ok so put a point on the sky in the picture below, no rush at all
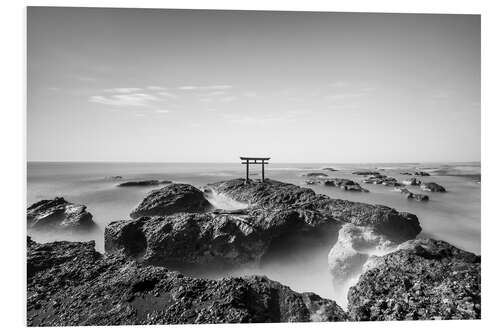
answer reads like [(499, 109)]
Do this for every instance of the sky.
[(157, 85)]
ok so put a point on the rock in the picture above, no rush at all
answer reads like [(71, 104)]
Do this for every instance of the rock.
[(345, 184), (329, 169), (315, 175), (114, 178), (144, 183), (311, 182), (382, 179), (366, 173), (406, 173), (412, 182), (171, 199), (421, 173), (423, 279), (70, 284), (432, 187), (58, 214), (411, 195)]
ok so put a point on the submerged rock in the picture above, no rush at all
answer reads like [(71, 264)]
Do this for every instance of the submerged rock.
[(71, 284), (329, 169), (366, 173), (411, 195), (382, 179), (58, 214), (422, 173), (171, 199), (424, 279), (432, 187), (144, 183)]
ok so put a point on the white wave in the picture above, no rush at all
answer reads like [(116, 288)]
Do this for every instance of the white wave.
[(222, 201)]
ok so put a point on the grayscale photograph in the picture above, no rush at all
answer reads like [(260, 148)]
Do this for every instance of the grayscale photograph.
[(189, 166)]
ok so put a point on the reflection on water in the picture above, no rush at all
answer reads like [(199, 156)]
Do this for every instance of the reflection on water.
[(301, 263)]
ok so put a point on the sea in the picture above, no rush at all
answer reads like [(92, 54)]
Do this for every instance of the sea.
[(302, 264)]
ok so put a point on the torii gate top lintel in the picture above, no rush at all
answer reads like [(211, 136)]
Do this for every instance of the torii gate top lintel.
[(255, 160)]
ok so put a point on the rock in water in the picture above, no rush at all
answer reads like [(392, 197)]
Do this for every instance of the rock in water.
[(423, 279), (329, 169), (58, 214), (315, 175), (345, 184), (411, 195), (366, 173), (171, 199), (432, 187), (422, 173), (144, 183), (71, 284), (412, 182)]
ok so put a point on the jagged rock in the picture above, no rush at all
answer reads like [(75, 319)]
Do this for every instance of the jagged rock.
[(382, 179), (171, 199), (424, 279), (144, 183), (58, 214), (432, 187), (422, 173), (71, 284), (345, 184), (412, 182)]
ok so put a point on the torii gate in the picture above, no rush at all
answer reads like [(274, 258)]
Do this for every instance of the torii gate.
[(255, 160)]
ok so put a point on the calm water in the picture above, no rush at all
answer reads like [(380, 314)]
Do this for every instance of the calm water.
[(453, 216)]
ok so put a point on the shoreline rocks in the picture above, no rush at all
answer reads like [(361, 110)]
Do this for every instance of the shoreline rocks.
[(70, 284), (410, 195), (59, 214), (412, 182), (345, 184), (171, 199), (423, 279)]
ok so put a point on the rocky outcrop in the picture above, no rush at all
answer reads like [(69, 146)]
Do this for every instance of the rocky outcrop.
[(144, 183), (423, 279), (329, 169), (422, 173), (58, 214), (412, 182), (171, 199), (410, 195), (432, 187), (345, 184), (71, 284), (383, 180)]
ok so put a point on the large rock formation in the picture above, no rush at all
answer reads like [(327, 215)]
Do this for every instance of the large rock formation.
[(432, 187), (423, 279), (171, 199), (237, 237), (345, 184), (71, 284), (58, 214)]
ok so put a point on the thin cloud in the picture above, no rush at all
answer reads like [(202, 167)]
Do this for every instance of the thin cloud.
[(162, 111), (123, 90), (125, 99)]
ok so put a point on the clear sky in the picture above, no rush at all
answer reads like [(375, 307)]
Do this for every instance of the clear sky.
[(209, 86)]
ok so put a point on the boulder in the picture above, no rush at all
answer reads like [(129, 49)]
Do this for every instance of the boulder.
[(423, 279), (432, 187), (58, 214), (171, 199), (70, 284), (144, 183), (411, 195)]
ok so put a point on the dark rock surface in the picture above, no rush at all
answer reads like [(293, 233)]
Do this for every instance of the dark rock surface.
[(383, 180), (422, 173), (58, 214), (345, 184), (424, 279), (144, 183), (71, 284), (329, 169), (432, 187), (171, 199)]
